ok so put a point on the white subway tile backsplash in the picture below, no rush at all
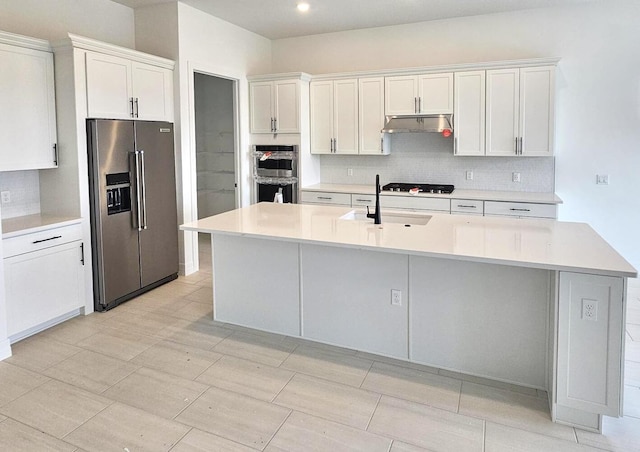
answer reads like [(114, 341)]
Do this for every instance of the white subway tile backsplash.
[(428, 158), (25, 193)]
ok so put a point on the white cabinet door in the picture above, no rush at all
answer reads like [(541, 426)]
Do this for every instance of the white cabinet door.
[(503, 111), (43, 285), (435, 94), (109, 90), (590, 335), (287, 106), (371, 103), (321, 117), (27, 108), (401, 95), (537, 110), (469, 113), (261, 98), (345, 116), (153, 92)]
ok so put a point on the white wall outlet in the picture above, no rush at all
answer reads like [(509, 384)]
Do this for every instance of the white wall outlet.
[(6, 197), (396, 297), (602, 179), (515, 177), (589, 309), (469, 175), (349, 171)]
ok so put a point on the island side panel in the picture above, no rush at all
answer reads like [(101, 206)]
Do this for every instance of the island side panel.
[(256, 283), (347, 299), (481, 319)]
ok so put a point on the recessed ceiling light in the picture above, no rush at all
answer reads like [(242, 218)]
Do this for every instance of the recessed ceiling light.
[(303, 7)]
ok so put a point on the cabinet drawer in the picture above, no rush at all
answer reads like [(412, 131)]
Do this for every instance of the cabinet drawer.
[(40, 240), (319, 197), (411, 203), (467, 206), (363, 200), (520, 209)]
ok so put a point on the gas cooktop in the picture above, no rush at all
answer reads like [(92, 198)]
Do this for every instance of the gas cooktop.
[(421, 188)]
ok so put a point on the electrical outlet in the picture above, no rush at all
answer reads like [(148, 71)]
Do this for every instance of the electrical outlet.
[(515, 177), (602, 179), (589, 309), (6, 197), (349, 171), (396, 297), (469, 175)]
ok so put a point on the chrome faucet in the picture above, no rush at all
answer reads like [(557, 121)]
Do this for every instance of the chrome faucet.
[(377, 217)]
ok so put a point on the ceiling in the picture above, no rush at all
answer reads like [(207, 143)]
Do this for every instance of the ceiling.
[(275, 19)]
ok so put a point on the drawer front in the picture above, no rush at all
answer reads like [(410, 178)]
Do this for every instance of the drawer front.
[(411, 203), (363, 200), (520, 209), (472, 206), (27, 243), (319, 197)]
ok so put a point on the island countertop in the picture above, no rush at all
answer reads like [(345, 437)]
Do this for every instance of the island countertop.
[(535, 243)]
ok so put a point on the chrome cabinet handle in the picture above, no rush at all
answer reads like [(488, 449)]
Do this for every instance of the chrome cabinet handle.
[(468, 207), (520, 210), (516, 145), (275, 124), (415, 104), (381, 145), (271, 124), (144, 191), (364, 200), (455, 145), (520, 145), (55, 154), (82, 253), (46, 240), (131, 104), (324, 197), (419, 104), (335, 145), (137, 108)]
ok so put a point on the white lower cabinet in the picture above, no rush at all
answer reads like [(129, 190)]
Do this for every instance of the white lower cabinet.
[(42, 286), (319, 197), (467, 206), (590, 335)]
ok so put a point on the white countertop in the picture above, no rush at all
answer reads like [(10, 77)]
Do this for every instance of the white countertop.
[(12, 227), (535, 243), (486, 195)]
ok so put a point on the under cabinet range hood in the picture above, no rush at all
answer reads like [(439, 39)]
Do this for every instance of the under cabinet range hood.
[(418, 124)]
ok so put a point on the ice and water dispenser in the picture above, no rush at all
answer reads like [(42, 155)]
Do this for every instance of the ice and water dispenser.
[(118, 193)]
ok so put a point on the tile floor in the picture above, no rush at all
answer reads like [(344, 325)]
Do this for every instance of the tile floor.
[(157, 374)]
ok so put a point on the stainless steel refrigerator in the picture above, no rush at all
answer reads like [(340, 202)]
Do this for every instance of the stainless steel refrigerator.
[(134, 224)]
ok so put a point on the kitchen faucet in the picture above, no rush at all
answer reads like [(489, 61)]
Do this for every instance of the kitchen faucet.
[(376, 215)]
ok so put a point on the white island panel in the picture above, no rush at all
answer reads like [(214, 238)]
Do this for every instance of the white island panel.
[(258, 282), (347, 299), (480, 319)]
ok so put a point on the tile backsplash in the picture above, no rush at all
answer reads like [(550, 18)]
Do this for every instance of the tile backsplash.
[(428, 158), (24, 187)]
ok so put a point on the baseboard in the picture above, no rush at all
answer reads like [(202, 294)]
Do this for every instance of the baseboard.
[(187, 269), (5, 349)]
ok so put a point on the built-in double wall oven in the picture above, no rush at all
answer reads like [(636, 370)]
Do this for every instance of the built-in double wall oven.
[(275, 171)]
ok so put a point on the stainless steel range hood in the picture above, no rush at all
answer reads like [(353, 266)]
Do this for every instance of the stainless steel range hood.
[(418, 123)]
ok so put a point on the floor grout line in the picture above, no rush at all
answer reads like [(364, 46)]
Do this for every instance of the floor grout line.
[(366, 429)]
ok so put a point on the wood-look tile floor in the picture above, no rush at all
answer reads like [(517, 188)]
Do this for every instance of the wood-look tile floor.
[(158, 374)]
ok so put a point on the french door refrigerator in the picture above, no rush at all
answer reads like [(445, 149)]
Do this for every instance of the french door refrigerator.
[(132, 192)]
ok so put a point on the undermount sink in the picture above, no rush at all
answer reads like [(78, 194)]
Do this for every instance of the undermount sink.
[(408, 219)]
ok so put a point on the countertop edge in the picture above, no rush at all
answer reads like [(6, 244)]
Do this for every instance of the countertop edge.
[(45, 223)]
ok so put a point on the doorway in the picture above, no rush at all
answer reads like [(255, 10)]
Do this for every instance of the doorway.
[(216, 145)]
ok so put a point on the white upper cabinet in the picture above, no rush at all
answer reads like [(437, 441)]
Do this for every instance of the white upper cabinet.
[(419, 94), (469, 113), (334, 116), (275, 106), (27, 107), (371, 109), (118, 88), (520, 111)]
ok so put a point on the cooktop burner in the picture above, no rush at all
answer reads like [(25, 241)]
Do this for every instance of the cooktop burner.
[(422, 188)]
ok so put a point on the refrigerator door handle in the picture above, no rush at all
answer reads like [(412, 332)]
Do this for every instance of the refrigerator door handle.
[(144, 191), (138, 197)]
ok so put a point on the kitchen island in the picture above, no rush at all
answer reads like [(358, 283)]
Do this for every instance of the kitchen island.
[(538, 303)]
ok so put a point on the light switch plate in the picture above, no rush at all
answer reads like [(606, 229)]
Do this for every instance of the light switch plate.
[(6, 197)]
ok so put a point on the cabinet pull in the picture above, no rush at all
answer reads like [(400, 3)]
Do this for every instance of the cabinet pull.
[(324, 197), (419, 104), (46, 240), (131, 104), (137, 108), (520, 210), (466, 206), (364, 200), (275, 124), (335, 145), (415, 104), (455, 145), (55, 154), (516, 145), (381, 145), (82, 253), (520, 145)]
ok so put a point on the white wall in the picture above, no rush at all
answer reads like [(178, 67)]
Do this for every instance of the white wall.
[(208, 45), (53, 19), (598, 90)]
